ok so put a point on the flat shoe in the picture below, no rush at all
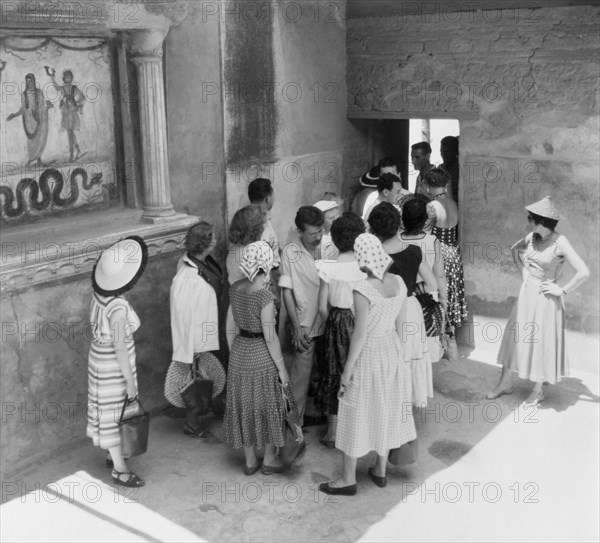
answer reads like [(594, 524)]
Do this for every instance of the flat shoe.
[(132, 479), (251, 470), (493, 395), (379, 481), (196, 432), (269, 470), (349, 490)]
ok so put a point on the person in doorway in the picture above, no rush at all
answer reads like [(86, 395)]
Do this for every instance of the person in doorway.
[(540, 307), (420, 155), (449, 153)]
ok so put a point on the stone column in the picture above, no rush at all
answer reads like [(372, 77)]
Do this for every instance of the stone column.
[(146, 48)]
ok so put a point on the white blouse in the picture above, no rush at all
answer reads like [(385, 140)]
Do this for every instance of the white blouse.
[(341, 278)]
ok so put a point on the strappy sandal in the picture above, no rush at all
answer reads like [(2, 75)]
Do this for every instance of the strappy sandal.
[(132, 479), (196, 432)]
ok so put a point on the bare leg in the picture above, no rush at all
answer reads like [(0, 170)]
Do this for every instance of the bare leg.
[(331, 428), (117, 458), (537, 393), (271, 458), (348, 473), (504, 386), (380, 465), (251, 458)]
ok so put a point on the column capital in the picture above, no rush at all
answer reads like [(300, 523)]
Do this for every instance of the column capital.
[(146, 43)]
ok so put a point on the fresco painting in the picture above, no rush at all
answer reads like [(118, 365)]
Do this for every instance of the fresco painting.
[(58, 134)]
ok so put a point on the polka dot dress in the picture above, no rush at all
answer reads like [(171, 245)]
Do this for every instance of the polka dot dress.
[(254, 413), (457, 304)]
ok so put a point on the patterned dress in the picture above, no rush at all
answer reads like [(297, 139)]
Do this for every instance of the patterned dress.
[(254, 413), (107, 387), (534, 341), (414, 333), (455, 280), (375, 412)]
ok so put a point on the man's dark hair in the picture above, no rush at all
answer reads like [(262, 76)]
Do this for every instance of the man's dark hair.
[(309, 216), (388, 162), (436, 177), (384, 221), (386, 181), (345, 230), (450, 142), (423, 146), (259, 189)]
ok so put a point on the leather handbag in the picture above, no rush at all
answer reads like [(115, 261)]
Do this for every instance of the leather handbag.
[(433, 313), (405, 454), (198, 393), (134, 429), (295, 446)]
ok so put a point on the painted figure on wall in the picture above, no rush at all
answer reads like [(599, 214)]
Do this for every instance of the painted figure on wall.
[(71, 105), (34, 110)]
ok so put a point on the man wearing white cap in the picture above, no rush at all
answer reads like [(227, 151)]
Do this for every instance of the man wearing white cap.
[(331, 211)]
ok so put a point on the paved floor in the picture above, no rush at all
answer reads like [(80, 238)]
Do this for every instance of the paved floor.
[(487, 471)]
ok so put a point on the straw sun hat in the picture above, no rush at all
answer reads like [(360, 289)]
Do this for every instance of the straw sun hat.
[(544, 208), (120, 266)]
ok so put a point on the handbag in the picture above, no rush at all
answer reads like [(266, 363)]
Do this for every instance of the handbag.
[(294, 447), (134, 429), (197, 394), (433, 313), (405, 454)]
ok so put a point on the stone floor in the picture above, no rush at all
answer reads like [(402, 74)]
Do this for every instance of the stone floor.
[(487, 471)]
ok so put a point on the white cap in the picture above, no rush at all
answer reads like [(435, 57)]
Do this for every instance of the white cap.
[(325, 205)]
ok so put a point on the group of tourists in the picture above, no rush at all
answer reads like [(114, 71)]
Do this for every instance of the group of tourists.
[(352, 310)]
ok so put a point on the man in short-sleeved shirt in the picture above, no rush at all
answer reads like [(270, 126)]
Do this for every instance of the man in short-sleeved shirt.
[(299, 282)]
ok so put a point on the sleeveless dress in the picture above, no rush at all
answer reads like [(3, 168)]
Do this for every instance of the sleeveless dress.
[(375, 412), (427, 244), (534, 341), (254, 413), (414, 333), (107, 387), (340, 276), (455, 280)]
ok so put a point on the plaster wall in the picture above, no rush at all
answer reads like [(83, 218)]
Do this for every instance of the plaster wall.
[(523, 84), (45, 345)]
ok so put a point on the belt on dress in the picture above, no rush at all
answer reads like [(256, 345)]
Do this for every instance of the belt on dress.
[(250, 335)]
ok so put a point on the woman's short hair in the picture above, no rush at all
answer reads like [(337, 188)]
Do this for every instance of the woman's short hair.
[(384, 221), (436, 177), (199, 237), (309, 216), (414, 213), (345, 230), (247, 225), (550, 224)]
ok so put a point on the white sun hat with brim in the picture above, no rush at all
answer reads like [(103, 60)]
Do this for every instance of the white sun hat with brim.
[(120, 266), (544, 208), (326, 205)]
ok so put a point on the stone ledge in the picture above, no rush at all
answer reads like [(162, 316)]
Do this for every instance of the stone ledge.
[(61, 250)]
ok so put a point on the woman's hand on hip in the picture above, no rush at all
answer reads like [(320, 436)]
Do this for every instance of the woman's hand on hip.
[(548, 287)]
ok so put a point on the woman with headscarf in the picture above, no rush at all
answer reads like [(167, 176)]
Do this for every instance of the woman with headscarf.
[(195, 291), (112, 375), (254, 416), (374, 411), (534, 341)]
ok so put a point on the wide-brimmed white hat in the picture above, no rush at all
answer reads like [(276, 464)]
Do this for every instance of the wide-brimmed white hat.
[(544, 208), (120, 266), (326, 205)]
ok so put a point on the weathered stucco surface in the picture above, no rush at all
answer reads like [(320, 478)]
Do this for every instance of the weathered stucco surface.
[(523, 84)]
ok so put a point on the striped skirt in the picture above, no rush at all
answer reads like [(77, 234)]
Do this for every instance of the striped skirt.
[(107, 389)]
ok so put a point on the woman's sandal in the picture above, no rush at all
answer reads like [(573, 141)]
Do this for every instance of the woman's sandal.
[(196, 432), (251, 470), (132, 479)]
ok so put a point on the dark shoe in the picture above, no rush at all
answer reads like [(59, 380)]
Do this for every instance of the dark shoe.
[(269, 470), (196, 432), (349, 490), (379, 481), (251, 470), (329, 444), (131, 480)]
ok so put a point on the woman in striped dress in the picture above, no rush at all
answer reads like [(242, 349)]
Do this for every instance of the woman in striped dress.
[(112, 375)]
